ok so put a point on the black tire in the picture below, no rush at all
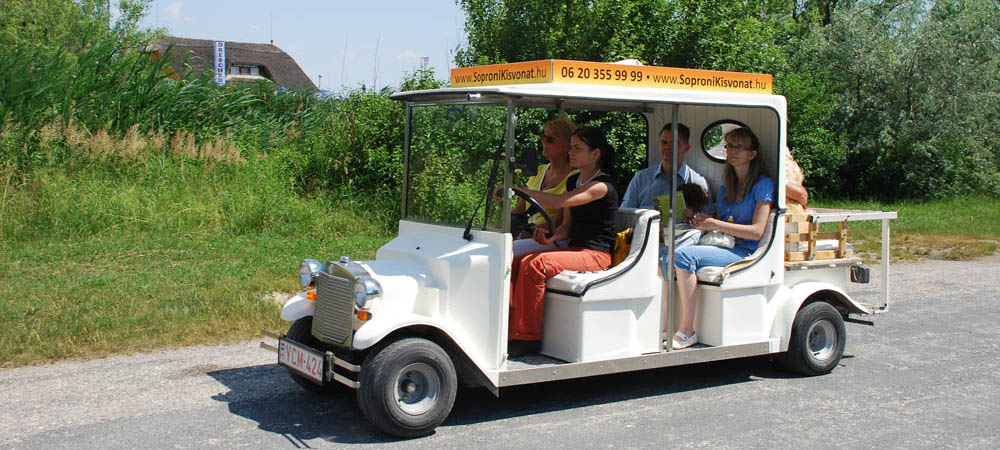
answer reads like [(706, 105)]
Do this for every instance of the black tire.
[(818, 340), (301, 332), (407, 388)]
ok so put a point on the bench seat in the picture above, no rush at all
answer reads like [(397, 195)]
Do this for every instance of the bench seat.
[(613, 313)]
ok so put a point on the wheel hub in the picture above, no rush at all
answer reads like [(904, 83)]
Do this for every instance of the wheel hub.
[(822, 338), (417, 388)]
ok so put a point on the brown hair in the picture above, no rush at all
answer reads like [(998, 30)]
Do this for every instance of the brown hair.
[(561, 127), (736, 191), (683, 132)]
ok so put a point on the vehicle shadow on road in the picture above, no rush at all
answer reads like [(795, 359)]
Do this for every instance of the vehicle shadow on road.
[(474, 406), (267, 396)]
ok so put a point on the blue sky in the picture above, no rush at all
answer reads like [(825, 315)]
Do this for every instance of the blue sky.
[(336, 39)]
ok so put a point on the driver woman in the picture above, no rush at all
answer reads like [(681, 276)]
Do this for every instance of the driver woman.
[(744, 201), (551, 178), (588, 208)]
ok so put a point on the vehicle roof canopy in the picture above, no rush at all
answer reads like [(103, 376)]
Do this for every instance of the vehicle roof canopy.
[(588, 85)]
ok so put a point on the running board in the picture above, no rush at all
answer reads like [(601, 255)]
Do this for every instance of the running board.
[(651, 361), (860, 321)]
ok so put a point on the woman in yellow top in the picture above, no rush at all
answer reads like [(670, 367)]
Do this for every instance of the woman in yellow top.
[(551, 179)]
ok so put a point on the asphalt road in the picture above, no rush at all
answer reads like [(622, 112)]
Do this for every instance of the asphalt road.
[(924, 377)]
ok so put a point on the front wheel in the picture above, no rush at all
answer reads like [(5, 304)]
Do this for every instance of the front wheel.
[(818, 340), (407, 388)]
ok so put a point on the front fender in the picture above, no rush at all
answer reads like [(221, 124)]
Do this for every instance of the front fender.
[(297, 307), (374, 331), (782, 326)]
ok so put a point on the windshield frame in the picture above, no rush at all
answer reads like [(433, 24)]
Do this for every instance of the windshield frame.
[(508, 154)]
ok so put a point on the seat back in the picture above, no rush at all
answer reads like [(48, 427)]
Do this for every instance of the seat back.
[(630, 218), (641, 220)]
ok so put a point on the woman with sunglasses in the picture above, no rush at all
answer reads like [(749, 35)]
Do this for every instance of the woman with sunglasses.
[(551, 179), (744, 202), (589, 206)]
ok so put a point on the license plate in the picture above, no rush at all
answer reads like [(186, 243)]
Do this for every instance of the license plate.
[(300, 359)]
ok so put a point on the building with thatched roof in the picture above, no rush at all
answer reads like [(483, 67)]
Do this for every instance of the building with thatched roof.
[(244, 61)]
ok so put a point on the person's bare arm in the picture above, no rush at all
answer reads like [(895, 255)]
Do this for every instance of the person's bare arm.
[(579, 196), (796, 192)]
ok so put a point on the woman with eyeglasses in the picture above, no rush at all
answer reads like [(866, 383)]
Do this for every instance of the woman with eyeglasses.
[(589, 206), (744, 202), (551, 179)]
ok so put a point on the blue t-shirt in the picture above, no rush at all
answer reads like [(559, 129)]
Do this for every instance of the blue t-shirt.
[(742, 212)]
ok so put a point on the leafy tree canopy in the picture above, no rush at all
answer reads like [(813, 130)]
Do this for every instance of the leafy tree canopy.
[(902, 90)]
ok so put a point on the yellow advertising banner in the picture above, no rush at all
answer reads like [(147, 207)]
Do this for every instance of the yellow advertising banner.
[(659, 77), (496, 74), (607, 74)]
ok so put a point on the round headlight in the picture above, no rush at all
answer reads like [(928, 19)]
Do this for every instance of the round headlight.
[(308, 270), (366, 289)]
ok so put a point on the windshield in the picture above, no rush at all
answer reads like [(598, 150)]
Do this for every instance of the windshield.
[(452, 150), (450, 159)]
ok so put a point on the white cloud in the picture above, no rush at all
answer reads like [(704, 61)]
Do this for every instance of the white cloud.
[(173, 12)]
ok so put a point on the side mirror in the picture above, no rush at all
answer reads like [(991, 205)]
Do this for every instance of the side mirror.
[(528, 161)]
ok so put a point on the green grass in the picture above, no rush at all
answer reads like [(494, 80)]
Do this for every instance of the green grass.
[(93, 264), (959, 228), (116, 259)]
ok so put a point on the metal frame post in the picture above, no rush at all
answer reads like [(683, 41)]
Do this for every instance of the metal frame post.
[(668, 222)]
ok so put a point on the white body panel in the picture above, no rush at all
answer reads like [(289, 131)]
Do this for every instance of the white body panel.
[(430, 275), (297, 307), (615, 319)]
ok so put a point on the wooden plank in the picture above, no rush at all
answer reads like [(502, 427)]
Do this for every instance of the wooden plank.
[(817, 255), (803, 237), (823, 263), (842, 239), (797, 218)]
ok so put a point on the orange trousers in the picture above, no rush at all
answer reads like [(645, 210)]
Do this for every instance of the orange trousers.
[(527, 284)]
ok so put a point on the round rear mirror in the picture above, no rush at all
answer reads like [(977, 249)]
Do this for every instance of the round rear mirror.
[(711, 138)]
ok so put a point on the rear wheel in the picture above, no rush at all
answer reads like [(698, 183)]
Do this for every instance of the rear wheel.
[(301, 332), (818, 340), (407, 388)]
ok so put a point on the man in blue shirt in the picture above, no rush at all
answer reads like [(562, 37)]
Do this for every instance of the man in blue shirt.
[(654, 181)]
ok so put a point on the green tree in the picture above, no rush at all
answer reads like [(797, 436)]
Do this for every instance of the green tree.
[(69, 24), (920, 105), (902, 90)]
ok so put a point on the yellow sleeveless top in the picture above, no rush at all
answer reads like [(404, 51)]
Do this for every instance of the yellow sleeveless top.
[(535, 182)]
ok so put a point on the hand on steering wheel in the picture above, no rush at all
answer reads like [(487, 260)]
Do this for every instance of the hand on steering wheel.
[(534, 207)]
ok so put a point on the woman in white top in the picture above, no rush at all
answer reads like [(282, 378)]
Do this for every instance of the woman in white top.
[(551, 179)]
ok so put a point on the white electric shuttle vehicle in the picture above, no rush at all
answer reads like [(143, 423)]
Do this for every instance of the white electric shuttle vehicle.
[(431, 310)]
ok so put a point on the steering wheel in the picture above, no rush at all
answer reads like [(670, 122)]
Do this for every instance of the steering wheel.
[(534, 207)]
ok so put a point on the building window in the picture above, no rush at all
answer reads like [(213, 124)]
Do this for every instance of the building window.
[(244, 70)]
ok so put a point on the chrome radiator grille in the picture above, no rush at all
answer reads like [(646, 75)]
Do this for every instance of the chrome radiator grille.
[(334, 309)]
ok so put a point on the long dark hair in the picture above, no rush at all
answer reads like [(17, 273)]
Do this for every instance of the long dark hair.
[(595, 138), (736, 191)]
